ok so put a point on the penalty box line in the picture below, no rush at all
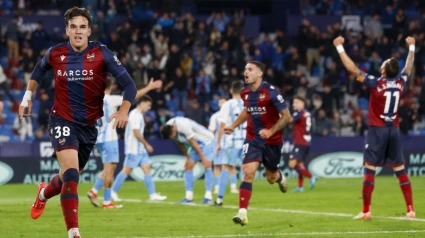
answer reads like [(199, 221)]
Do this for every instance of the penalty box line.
[(278, 210)]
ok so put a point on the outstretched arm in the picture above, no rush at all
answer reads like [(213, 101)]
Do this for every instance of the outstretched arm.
[(410, 57), (348, 63)]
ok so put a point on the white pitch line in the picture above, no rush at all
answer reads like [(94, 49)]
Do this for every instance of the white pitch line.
[(290, 234), (333, 214)]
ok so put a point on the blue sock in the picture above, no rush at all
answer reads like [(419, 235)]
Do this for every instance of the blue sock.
[(233, 179), (119, 180), (209, 183), (149, 184), (107, 195), (216, 180), (223, 183), (98, 184), (188, 180)]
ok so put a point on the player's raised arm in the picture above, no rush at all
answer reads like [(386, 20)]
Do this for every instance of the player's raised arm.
[(410, 56), (37, 75), (241, 119), (348, 63), (153, 84), (125, 81)]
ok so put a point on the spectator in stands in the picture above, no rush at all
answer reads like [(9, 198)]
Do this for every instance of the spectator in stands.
[(12, 32)]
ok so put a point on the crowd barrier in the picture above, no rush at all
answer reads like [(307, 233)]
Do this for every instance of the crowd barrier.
[(331, 157)]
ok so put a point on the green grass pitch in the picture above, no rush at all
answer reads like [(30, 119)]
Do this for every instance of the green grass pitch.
[(326, 211)]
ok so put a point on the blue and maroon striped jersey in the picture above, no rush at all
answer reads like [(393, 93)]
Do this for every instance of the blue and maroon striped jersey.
[(385, 94), (263, 107), (302, 127), (80, 80)]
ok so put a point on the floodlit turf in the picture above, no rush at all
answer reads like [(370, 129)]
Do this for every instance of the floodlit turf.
[(325, 212)]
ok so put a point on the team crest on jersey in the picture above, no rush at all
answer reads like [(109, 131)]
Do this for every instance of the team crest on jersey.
[(62, 141), (90, 57), (262, 96), (63, 57)]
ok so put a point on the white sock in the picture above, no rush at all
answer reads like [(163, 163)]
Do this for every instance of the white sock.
[(72, 231), (106, 202), (233, 186), (243, 211), (41, 195), (94, 190), (189, 195), (208, 194)]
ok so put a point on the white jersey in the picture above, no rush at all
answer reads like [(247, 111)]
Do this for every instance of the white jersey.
[(188, 129), (214, 127), (228, 114), (106, 132), (136, 121)]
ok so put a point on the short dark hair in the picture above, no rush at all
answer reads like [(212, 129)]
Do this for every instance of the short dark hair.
[(392, 68), (145, 98), (166, 131), (299, 98), (260, 65), (237, 86), (75, 12)]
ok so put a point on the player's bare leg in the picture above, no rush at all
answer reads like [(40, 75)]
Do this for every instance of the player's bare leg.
[(406, 189), (150, 185), (368, 186), (233, 180), (277, 177), (69, 174), (217, 173), (245, 192), (92, 193)]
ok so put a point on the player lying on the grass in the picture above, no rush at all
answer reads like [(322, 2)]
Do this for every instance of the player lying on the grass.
[(232, 149), (301, 141), (137, 149), (107, 142), (186, 132), (383, 141), (267, 114), (80, 68)]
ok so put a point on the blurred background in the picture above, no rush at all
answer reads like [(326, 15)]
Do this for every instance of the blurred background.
[(198, 47)]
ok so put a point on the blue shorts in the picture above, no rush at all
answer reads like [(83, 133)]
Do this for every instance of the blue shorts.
[(207, 149), (383, 147), (231, 156), (134, 161), (109, 151), (268, 155), (218, 159), (300, 152), (68, 135)]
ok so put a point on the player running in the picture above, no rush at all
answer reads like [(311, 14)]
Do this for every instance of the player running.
[(232, 150), (107, 143), (383, 141), (186, 132), (137, 149), (302, 139), (80, 68), (266, 114)]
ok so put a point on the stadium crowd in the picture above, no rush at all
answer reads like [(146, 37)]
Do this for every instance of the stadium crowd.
[(198, 60)]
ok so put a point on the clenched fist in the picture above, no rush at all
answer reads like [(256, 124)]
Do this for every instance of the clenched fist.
[(339, 41), (410, 40)]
